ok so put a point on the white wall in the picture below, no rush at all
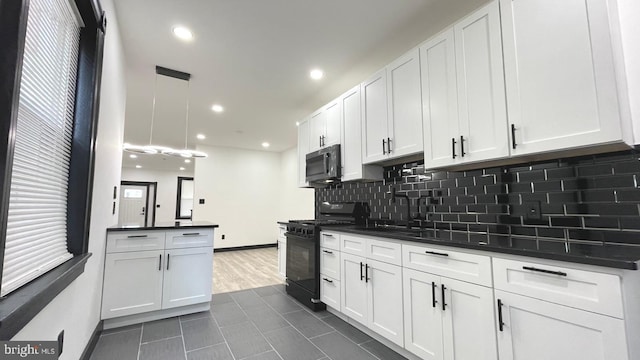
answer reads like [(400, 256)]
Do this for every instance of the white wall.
[(167, 188), (295, 203), (77, 308)]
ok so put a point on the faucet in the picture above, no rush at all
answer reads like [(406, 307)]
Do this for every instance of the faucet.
[(393, 200)]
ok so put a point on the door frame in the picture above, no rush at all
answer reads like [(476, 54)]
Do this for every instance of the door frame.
[(147, 184), (179, 195)]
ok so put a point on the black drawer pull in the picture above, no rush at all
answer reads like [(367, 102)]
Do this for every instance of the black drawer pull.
[(559, 273), (330, 235), (500, 322), (160, 263), (513, 136), (384, 144), (137, 236), (461, 145), (366, 273), (433, 294), (168, 258), (361, 276), (388, 145), (453, 147), (436, 253), (444, 303), (327, 252), (191, 234), (327, 280)]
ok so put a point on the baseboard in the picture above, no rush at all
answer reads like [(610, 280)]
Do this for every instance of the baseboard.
[(91, 345), (249, 247)]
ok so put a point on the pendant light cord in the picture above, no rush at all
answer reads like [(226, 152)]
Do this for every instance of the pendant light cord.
[(153, 108)]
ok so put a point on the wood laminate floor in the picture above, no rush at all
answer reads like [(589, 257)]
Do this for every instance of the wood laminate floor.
[(245, 269)]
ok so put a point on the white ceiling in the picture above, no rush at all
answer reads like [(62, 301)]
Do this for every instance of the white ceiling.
[(254, 57)]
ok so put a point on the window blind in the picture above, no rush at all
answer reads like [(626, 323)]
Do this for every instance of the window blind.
[(36, 237)]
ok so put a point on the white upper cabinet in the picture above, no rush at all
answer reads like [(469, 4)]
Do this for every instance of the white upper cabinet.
[(374, 118), (325, 126), (463, 99), (392, 111), (560, 74), (303, 150), (404, 105)]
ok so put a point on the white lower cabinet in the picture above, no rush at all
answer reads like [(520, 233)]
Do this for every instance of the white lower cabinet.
[(448, 319), (372, 295), (534, 329), (137, 282)]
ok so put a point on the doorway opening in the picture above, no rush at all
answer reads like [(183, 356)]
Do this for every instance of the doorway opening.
[(137, 203)]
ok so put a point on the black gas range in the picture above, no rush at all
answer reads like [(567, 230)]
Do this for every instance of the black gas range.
[(303, 249)]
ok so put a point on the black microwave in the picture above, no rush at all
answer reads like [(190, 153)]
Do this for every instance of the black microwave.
[(323, 166)]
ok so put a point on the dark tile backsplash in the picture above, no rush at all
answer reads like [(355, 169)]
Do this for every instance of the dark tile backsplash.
[(593, 199)]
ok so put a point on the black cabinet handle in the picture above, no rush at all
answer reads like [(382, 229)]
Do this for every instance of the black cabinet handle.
[(384, 144), (320, 141), (436, 253), (433, 294), (160, 263), (329, 235), (559, 273), (444, 303), (513, 136), (327, 251), (327, 280), (500, 322), (168, 258), (137, 236), (361, 276), (388, 145), (461, 145), (453, 147), (366, 273), (191, 234)]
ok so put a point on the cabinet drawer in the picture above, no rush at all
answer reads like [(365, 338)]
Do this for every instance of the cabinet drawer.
[(189, 238), (124, 241), (330, 291), (385, 251), (330, 240), (452, 264), (330, 263), (355, 245), (591, 291)]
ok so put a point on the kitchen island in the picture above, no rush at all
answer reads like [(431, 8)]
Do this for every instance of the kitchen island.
[(156, 272)]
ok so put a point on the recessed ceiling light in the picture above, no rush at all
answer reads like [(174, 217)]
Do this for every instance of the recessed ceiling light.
[(217, 108), (297, 123), (182, 33), (138, 166), (133, 156), (316, 74), (181, 169), (265, 144), (201, 136), (187, 161)]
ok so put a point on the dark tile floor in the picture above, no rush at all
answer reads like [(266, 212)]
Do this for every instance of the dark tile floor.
[(256, 324)]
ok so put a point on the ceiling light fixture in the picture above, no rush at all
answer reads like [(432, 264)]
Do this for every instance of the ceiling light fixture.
[(217, 108), (182, 33), (316, 74), (133, 156), (265, 144), (297, 123), (187, 161), (138, 166), (201, 136), (181, 169)]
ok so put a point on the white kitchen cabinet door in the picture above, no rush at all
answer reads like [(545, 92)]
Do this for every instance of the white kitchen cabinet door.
[(374, 118), (405, 105), (332, 123), (353, 288), (422, 314), (187, 277), (316, 130), (282, 259), (384, 284), (481, 92), (303, 150), (535, 329), (440, 101), (132, 283), (560, 75), (468, 322), (351, 147)]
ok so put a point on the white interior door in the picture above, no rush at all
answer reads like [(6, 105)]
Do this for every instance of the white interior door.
[(133, 205)]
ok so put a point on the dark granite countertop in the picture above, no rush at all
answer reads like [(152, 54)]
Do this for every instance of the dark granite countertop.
[(165, 226), (614, 256)]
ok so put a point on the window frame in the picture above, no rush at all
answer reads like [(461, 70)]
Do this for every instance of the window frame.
[(179, 197), (20, 306)]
